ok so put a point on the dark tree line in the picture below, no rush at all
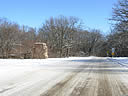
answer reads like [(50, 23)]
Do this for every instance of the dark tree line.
[(118, 37), (65, 36), (13, 35)]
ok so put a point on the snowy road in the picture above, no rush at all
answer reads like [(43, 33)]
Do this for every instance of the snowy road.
[(90, 76)]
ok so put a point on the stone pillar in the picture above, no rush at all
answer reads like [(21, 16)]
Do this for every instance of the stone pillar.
[(40, 51)]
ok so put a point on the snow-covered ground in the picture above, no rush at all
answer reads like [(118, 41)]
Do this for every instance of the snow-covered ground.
[(32, 77), (10, 68), (18, 74), (123, 61)]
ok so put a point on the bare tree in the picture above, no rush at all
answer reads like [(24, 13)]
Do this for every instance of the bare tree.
[(119, 36), (8, 32), (58, 33), (89, 42)]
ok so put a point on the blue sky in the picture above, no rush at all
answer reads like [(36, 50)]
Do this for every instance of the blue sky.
[(94, 13)]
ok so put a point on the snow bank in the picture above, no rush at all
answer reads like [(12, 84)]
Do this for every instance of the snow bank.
[(123, 61), (10, 68)]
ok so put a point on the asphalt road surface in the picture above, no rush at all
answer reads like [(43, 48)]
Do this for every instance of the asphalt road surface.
[(76, 77)]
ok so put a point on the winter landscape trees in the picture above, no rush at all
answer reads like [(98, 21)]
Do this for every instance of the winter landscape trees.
[(59, 33), (119, 35), (65, 36)]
